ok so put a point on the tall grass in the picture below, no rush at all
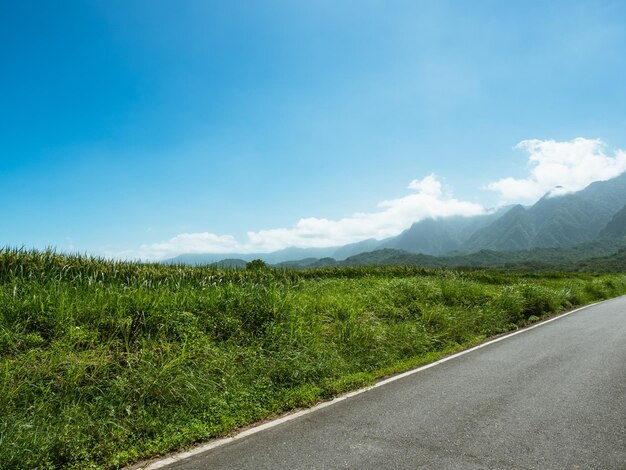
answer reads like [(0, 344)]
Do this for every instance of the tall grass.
[(103, 363)]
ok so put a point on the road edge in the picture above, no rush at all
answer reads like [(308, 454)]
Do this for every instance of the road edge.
[(273, 422)]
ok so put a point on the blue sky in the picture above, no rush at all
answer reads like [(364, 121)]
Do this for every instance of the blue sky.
[(150, 128)]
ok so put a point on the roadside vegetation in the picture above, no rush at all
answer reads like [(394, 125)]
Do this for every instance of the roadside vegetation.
[(105, 363)]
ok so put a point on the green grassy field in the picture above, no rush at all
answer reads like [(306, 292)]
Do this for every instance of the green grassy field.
[(104, 363)]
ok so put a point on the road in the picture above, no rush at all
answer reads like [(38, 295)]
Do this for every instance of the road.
[(550, 397)]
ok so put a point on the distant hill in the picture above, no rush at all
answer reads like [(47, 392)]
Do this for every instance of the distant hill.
[(615, 262), (288, 254), (309, 263), (352, 249), (390, 256), (301, 263), (280, 256), (586, 255), (231, 263)]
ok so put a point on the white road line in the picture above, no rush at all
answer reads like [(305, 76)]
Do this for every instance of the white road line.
[(289, 417)]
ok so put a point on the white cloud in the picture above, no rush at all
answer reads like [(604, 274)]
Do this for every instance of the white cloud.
[(393, 216), (201, 242), (428, 185), (560, 168)]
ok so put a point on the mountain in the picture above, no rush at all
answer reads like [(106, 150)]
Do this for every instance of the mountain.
[(512, 231), (554, 220), (232, 263), (352, 249), (275, 257), (300, 263), (440, 236), (610, 194), (616, 226), (591, 256), (309, 263), (390, 256), (292, 253)]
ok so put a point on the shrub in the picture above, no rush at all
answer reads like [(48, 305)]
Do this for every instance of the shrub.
[(256, 264)]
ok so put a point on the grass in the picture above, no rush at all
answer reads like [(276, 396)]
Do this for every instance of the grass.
[(104, 363)]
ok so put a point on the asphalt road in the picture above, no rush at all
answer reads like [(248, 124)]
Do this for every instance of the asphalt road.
[(551, 397)]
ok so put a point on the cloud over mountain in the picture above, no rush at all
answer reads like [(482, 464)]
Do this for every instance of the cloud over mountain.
[(560, 168), (427, 199)]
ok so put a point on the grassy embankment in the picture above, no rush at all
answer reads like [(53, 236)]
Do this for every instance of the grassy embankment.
[(105, 363)]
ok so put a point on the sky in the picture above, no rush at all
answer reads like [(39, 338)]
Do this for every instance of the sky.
[(150, 128)]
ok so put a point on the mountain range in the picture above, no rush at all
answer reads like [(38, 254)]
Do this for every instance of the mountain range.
[(584, 219)]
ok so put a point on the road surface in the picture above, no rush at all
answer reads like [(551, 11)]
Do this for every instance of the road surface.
[(550, 397)]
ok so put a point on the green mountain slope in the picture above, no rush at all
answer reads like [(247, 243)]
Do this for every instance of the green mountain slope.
[(440, 236), (515, 230), (610, 195), (554, 221), (616, 226), (567, 220)]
